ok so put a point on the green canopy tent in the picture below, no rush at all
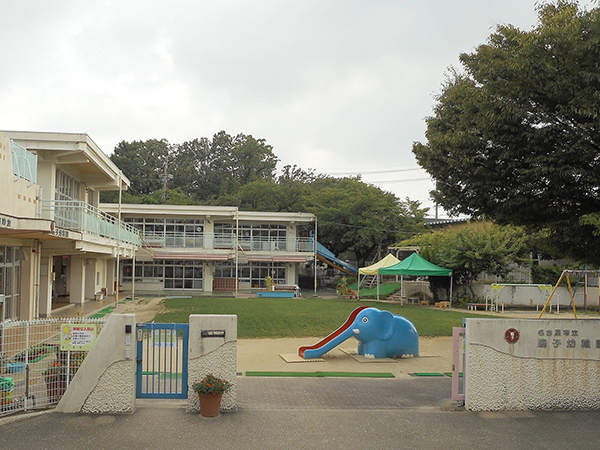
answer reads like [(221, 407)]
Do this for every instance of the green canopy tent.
[(417, 266)]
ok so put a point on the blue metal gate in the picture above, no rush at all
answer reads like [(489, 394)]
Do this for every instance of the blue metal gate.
[(162, 360)]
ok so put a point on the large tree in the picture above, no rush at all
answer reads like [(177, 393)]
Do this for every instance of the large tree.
[(480, 247), (516, 136), (207, 169), (203, 169), (360, 218), (143, 162)]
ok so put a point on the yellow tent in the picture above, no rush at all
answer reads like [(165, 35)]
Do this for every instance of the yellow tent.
[(373, 269)]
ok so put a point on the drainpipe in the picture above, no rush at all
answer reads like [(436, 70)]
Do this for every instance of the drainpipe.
[(237, 233), (315, 250), (119, 242), (133, 275)]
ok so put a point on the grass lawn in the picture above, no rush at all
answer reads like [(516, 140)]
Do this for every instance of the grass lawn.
[(302, 317), (385, 289)]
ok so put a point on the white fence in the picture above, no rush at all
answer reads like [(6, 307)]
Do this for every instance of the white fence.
[(35, 370)]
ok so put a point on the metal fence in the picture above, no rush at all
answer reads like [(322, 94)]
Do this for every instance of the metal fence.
[(34, 370)]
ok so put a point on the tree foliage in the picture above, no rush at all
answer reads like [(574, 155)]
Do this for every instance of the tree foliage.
[(480, 247), (203, 169), (240, 171), (359, 217), (143, 163), (516, 136)]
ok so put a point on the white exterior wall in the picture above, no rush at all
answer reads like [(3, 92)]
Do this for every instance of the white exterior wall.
[(554, 364), (533, 296), (213, 355), (19, 198), (208, 272), (105, 382), (21, 214)]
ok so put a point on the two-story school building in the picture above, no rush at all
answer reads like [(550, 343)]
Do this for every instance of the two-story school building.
[(59, 246), (56, 245), (207, 249)]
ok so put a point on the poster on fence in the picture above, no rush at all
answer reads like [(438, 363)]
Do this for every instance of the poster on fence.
[(77, 337)]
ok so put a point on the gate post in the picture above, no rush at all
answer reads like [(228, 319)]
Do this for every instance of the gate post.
[(213, 349), (105, 382)]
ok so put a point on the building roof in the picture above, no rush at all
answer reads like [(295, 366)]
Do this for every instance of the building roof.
[(223, 212), (78, 151)]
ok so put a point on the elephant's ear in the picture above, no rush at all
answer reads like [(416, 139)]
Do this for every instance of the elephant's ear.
[(385, 325)]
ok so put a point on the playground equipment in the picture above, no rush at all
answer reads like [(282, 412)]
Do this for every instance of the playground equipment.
[(381, 334), (497, 287), (325, 255), (566, 273)]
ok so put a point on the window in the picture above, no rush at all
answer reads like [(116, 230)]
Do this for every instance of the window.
[(10, 281), (254, 273), (175, 274), (263, 237), (66, 188), (173, 233)]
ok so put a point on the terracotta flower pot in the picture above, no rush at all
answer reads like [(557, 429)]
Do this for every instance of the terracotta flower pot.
[(210, 405)]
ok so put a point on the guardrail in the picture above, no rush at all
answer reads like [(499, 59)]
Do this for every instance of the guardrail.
[(210, 241), (83, 217), (24, 162)]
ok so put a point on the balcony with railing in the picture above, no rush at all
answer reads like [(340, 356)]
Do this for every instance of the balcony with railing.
[(82, 217), (225, 241), (24, 162)]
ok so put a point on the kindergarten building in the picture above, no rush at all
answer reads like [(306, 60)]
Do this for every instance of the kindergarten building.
[(56, 245), (59, 246), (206, 249)]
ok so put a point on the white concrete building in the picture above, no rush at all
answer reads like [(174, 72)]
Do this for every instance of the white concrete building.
[(56, 246), (59, 246), (206, 249)]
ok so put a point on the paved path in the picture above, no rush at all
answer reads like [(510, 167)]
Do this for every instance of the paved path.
[(406, 412), (280, 413)]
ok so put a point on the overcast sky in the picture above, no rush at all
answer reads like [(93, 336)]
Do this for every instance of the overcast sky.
[(341, 86)]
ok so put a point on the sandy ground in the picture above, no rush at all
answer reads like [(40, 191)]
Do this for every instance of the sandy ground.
[(281, 354), (271, 354)]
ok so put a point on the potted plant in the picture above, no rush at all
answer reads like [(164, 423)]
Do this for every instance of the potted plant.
[(59, 373), (269, 284), (210, 390), (56, 380)]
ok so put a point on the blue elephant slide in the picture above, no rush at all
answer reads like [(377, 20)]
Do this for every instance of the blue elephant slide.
[(380, 334)]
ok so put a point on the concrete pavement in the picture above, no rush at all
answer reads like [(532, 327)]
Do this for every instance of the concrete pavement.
[(406, 412), (305, 413)]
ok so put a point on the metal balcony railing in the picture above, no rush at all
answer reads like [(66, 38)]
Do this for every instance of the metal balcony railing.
[(210, 241), (83, 217), (24, 162)]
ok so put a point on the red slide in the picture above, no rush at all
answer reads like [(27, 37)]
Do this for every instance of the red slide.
[(324, 345)]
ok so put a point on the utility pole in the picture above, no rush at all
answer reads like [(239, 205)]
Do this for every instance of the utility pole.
[(164, 178)]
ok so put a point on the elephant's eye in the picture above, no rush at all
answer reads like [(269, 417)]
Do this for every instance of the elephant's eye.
[(365, 319)]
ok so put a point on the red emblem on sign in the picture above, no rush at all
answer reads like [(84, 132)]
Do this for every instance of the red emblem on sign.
[(511, 335)]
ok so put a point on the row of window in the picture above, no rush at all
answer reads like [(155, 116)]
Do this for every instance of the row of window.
[(179, 274), (151, 227), (194, 227)]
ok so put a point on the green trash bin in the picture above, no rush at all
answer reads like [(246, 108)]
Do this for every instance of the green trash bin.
[(7, 386)]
